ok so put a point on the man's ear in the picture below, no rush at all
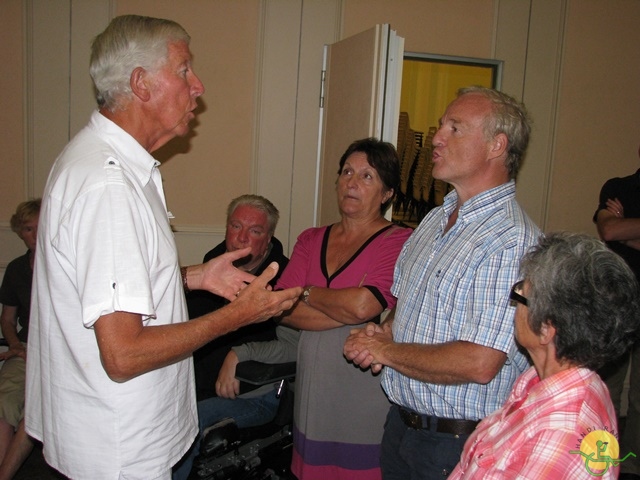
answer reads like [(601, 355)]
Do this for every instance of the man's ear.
[(139, 83), (499, 144)]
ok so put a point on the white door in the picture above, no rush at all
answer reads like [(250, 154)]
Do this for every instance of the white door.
[(360, 98)]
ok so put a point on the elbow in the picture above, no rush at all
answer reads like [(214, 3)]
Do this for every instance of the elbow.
[(485, 369), (363, 309), (606, 229), (485, 372), (484, 376), (118, 377), (117, 370), (364, 313), (606, 235)]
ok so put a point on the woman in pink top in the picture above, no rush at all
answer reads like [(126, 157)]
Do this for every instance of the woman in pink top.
[(576, 308), (347, 271)]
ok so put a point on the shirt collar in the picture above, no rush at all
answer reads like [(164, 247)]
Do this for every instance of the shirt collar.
[(481, 204), (138, 160), (534, 388)]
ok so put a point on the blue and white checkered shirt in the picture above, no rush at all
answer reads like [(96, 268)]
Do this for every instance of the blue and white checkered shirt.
[(455, 287)]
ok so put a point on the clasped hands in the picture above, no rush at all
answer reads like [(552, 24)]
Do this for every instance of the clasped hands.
[(365, 346)]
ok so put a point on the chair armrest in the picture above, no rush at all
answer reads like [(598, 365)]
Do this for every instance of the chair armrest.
[(258, 373)]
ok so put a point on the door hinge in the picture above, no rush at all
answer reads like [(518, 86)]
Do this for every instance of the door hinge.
[(322, 78)]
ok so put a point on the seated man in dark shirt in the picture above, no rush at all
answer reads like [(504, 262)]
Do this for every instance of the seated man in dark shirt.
[(251, 221)]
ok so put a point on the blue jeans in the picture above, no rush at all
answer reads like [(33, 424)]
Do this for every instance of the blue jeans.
[(247, 412), (410, 454)]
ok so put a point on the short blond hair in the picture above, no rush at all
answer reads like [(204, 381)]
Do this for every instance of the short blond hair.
[(25, 212)]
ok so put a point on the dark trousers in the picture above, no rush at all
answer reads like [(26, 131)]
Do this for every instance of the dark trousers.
[(410, 454)]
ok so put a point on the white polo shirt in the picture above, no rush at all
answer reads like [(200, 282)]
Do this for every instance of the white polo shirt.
[(105, 245)]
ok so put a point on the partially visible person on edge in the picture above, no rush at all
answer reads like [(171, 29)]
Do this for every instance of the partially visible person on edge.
[(250, 409), (15, 296), (577, 307), (618, 220), (449, 349), (110, 389), (346, 269), (251, 222)]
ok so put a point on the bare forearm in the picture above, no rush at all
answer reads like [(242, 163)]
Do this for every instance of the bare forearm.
[(304, 317), (611, 228), (127, 348), (348, 306), (635, 244), (8, 324), (447, 363), (147, 348), (329, 308), (10, 335)]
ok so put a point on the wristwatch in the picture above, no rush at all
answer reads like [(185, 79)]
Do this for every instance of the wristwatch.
[(305, 294)]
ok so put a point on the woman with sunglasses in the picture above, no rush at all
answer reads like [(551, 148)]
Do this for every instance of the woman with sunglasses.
[(576, 307)]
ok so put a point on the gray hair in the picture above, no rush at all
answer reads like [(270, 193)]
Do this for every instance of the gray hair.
[(509, 117), (25, 212), (259, 203), (587, 292), (129, 42)]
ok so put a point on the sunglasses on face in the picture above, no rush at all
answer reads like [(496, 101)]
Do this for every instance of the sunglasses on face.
[(517, 297)]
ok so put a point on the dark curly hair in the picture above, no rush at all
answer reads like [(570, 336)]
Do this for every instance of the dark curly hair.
[(382, 156), (587, 293)]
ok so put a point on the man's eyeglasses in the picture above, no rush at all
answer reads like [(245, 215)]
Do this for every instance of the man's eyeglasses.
[(514, 296)]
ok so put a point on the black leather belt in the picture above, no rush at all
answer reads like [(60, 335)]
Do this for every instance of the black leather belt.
[(442, 425)]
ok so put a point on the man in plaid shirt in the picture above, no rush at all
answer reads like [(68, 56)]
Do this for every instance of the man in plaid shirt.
[(448, 346)]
